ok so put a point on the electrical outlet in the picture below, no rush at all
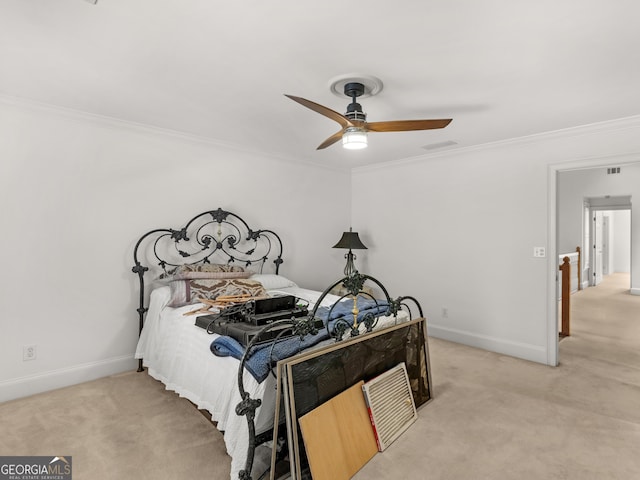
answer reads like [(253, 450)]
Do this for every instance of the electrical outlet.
[(29, 352)]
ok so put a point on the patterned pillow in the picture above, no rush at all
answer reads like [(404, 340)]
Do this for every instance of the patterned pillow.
[(205, 270), (185, 292)]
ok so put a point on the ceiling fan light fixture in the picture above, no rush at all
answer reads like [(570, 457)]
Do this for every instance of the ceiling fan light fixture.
[(354, 138), (354, 125)]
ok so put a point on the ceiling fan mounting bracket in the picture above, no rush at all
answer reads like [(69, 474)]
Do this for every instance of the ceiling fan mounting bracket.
[(371, 85), (354, 109), (353, 89)]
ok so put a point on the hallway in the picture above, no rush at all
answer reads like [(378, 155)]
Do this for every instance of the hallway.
[(605, 327)]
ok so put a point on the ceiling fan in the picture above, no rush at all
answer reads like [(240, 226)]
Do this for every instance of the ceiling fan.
[(354, 122)]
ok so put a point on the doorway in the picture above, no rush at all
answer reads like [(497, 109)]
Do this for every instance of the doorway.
[(607, 234), (578, 190)]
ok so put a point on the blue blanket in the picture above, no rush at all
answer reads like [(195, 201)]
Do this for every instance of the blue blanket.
[(258, 363)]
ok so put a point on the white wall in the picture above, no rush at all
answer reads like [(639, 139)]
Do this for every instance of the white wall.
[(457, 231), (77, 192)]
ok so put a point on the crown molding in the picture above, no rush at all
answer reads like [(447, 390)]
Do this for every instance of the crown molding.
[(150, 130), (608, 126)]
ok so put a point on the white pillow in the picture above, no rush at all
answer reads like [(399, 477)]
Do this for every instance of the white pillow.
[(271, 281)]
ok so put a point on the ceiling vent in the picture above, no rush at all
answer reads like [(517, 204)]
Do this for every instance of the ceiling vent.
[(435, 146), (613, 170), (390, 403)]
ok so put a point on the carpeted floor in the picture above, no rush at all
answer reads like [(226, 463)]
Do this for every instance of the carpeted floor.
[(495, 417), (121, 427), (492, 417)]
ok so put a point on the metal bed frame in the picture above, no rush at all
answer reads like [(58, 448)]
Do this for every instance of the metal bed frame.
[(302, 326), (221, 236)]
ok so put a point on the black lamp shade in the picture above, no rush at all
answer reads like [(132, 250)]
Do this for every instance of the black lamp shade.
[(350, 240)]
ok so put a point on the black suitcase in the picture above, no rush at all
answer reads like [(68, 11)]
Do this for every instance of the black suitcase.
[(245, 333), (261, 319), (241, 331), (275, 303)]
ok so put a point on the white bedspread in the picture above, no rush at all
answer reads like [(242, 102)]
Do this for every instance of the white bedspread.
[(178, 354)]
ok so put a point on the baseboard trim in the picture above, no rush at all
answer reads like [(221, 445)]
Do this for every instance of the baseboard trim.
[(64, 377), (525, 351), (634, 291)]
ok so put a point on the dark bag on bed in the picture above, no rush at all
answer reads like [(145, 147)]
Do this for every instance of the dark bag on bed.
[(241, 331), (274, 304), (260, 312), (245, 333), (212, 323), (268, 310), (261, 319), (216, 322), (244, 321)]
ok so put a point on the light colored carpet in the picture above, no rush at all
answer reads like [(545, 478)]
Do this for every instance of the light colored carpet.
[(496, 417), (492, 417), (117, 428)]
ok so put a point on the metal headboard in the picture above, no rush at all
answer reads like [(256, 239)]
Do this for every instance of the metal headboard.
[(214, 236)]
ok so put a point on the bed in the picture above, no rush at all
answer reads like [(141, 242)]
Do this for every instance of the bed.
[(217, 254)]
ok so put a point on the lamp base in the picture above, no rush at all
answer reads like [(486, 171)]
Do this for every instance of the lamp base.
[(350, 268)]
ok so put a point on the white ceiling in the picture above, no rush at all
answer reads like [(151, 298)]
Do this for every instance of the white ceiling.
[(500, 68)]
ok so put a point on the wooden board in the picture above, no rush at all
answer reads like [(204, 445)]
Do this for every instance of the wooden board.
[(338, 436)]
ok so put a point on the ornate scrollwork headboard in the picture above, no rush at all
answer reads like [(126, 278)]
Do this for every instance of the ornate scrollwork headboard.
[(214, 236)]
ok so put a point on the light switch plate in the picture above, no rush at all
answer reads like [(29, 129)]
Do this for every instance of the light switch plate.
[(539, 252)]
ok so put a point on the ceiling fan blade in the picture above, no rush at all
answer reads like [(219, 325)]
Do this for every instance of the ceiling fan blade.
[(322, 110), (331, 140), (406, 125)]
